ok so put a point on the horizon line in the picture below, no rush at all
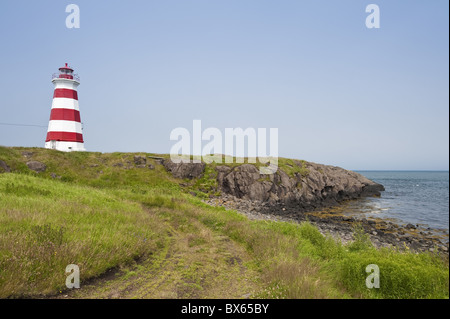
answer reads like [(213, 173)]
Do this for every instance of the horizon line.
[(350, 169)]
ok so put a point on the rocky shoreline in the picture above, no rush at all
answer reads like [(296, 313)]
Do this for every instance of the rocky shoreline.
[(333, 221)]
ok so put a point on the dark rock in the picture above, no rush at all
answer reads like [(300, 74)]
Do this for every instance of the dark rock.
[(410, 226), (37, 166), (4, 168), (140, 160), (184, 170), (118, 164), (242, 182), (151, 166)]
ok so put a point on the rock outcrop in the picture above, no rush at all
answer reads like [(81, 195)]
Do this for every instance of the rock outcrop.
[(321, 186)]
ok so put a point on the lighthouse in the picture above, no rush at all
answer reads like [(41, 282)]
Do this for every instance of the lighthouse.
[(64, 129)]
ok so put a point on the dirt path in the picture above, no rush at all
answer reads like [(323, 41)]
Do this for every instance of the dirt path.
[(194, 263)]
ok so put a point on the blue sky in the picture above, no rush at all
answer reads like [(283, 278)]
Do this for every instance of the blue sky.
[(338, 92)]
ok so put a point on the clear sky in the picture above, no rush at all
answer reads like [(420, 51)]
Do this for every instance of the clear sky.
[(338, 92)]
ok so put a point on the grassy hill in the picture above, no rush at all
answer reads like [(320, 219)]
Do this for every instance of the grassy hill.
[(136, 233)]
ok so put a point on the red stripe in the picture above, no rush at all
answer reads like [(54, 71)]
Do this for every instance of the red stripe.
[(65, 115), (65, 137), (67, 93)]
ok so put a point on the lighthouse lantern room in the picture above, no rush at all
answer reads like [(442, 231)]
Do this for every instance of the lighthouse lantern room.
[(64, 129)]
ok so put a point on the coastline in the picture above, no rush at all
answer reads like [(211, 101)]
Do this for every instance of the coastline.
[(334, 222)]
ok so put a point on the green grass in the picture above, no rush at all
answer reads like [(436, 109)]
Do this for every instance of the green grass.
[(102, 216), (290, 252), (293, 167), (402, 274), (47, 224)]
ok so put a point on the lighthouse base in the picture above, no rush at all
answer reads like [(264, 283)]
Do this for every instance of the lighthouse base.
[(65, 146)]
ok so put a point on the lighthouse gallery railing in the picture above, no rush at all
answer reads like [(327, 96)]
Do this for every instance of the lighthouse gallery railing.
[(66, 76)]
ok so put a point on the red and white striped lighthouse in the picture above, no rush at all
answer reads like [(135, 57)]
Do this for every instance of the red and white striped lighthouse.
[(64, 129)]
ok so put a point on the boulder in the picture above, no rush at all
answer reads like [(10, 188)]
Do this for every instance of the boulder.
[(4, 168), (140, 160), (184, 170), (37, 166)]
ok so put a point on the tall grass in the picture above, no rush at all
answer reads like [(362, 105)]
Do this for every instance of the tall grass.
[(46, 225)]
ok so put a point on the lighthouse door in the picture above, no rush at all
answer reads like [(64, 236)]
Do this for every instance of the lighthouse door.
[(53, 145)]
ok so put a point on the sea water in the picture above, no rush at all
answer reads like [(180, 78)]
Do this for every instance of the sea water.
[(415, 197)]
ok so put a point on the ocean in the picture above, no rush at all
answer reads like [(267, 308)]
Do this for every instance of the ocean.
[(416, 197)]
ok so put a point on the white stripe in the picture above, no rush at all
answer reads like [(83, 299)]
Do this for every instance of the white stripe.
[(65, 84), (66, 146), (64, 103), (64, 126)]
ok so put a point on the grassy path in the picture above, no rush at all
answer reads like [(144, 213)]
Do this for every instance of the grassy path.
[(195, 262)]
